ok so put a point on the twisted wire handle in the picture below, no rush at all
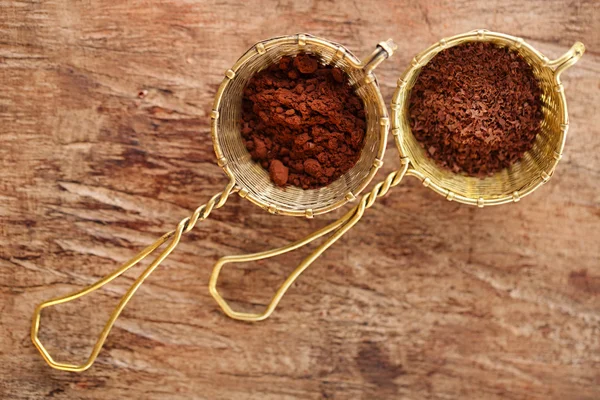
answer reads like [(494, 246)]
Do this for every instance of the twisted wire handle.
[(184, 226), (339, 228), (383, 187)]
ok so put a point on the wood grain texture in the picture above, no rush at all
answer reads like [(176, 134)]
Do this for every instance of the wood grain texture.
[(424, 299)]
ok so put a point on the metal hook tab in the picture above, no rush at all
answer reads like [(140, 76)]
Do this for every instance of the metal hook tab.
[(567, 60), (383, 51)]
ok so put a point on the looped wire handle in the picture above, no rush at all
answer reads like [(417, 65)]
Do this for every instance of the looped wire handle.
[(339, 228), (173, 237)]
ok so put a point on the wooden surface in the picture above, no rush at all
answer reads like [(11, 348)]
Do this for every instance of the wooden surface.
[(424, 299)]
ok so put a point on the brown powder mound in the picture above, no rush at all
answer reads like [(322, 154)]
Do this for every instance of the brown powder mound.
[(476, 108), (303, 122)]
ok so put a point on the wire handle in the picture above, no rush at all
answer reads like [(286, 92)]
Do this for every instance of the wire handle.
[(186, 225), (339, 228)]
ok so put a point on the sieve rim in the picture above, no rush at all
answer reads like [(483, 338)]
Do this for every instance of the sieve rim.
[(399, 107), (302, 39)]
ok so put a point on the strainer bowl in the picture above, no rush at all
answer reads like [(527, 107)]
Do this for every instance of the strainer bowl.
[(252, 180), (526, 175)]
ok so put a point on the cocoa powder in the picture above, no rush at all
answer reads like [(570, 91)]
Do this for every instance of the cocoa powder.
[(302, 122), (476, 108)]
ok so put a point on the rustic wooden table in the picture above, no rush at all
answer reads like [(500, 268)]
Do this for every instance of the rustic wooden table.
[(424, 299)]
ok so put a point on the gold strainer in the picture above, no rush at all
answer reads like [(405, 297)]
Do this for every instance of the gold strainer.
[(250, 180), (532, 170), (253, 181)]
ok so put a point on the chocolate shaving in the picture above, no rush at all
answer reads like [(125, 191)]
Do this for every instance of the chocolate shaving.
[(476, 108)]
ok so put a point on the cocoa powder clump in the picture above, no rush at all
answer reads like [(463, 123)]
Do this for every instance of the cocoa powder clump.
[(303, 122), (279, 172), (476, 108)]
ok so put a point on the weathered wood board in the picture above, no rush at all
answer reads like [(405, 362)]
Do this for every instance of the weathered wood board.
[(424, 299)]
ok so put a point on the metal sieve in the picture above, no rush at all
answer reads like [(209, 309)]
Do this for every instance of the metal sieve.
[(253, 181), (535, 167), (249, 179)]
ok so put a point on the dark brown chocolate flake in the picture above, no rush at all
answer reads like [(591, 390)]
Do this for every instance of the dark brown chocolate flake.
[(476, 108)]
